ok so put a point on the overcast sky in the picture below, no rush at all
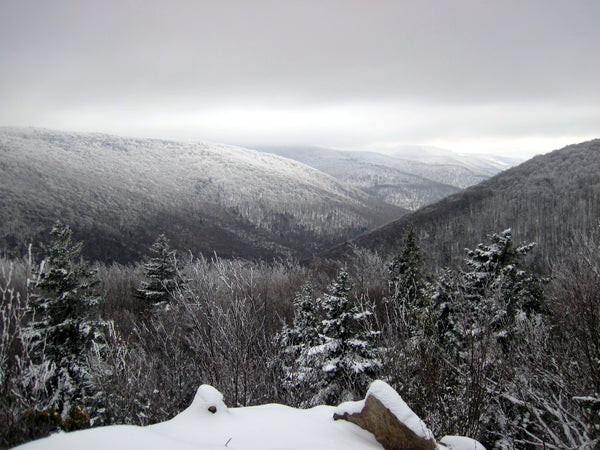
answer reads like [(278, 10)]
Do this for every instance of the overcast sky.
[(497, 76)]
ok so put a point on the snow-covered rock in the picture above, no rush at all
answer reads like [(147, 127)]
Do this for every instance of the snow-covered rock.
[(394, 424), (392, 401), (384, 414)]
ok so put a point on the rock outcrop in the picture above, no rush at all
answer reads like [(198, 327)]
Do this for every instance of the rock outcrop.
[(384, 414)]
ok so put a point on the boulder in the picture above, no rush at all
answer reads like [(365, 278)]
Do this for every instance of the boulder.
[(384, 414)]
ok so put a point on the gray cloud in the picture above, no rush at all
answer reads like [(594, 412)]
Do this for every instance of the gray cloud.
[(445, 59)]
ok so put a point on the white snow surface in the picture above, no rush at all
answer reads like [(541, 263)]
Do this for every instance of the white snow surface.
[(392, 401), (459, 443), (258, 427), (206, 397), (263, 427)]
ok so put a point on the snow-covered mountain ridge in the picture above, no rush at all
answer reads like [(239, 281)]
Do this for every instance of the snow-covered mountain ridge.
[(488, 164), (407, 177), (122, 192)]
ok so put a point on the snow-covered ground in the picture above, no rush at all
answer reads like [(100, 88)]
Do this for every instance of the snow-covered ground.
[(208, 424)]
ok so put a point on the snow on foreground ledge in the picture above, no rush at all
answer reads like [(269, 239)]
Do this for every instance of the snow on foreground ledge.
[(459, 443), (209, 424)]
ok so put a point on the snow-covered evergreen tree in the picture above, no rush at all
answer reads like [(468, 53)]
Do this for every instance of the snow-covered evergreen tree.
[(406, 279), (298, 374), (65, 328), (347, 357), (304, 331), (406, 288), (162, 272), (497, 288), (481, 313)]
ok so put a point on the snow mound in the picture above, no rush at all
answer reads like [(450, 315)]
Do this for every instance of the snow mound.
[(208, 400), (460, 443)]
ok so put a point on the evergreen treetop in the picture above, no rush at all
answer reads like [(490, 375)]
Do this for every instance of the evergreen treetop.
[(348, 358), (405, 272), (162, 270)]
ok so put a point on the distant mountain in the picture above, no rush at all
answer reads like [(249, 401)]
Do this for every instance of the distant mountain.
[(409, 177), (481, 163), (446, 166), (119, 193), (548, 200)]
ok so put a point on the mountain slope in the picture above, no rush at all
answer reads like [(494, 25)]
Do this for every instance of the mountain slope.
[(118, 194), (407, 177), (548, 199)]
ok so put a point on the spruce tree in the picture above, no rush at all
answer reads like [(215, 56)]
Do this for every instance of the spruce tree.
[(65, 326), (498, 288), (490, 297), (295, 341), (347, 358), (162, 271), (482, 315), (406, 287), (406, 279), (304, 331)]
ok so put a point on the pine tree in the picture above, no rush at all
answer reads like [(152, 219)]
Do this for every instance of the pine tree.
[(406, 279), (490, 297), (304, 331), (406, 286), (498, 289), (446, 305), (298, 375), (347, 357), (163, 273), (65, 326), (482, 315)]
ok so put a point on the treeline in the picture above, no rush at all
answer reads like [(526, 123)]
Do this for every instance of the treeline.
[(489, 349)]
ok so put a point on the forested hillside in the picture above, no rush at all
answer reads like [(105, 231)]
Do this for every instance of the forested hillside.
[(548, 200), (118, 194)]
